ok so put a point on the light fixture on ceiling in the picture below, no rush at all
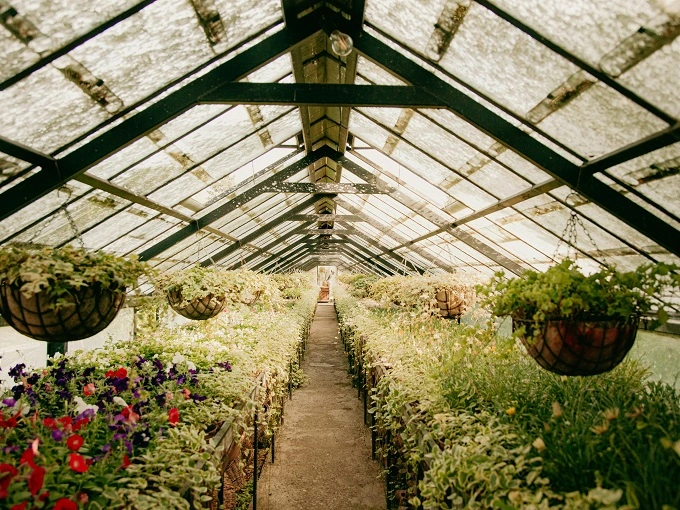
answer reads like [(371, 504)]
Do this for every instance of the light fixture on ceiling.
[(341, 43)]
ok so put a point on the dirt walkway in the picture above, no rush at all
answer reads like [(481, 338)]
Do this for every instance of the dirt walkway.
[(323, 451)]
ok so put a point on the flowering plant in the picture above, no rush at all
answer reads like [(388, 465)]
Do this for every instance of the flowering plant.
[(127, 425)]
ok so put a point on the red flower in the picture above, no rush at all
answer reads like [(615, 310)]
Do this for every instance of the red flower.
[(7, 472), (27, 457), (121, 373), (126, 461), (80, 423), (75, 442), (9, 423), (65, 504), (66, 422), (77, 463), (89, 389), (130, 415), (109, 373), (50, 423), (173, 416), (44, 496), (35, 481), (20, 506)]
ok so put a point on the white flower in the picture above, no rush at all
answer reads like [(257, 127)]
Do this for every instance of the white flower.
[(178, 358), (82, 406), (120, 401), (190, 365)]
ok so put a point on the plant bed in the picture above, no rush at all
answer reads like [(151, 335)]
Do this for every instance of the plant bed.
[(483, 426), (63, 294), (127, 426)]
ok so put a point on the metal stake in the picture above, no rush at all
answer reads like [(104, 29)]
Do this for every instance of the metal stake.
[(255, 449)]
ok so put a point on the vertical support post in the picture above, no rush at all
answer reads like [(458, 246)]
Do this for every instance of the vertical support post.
[(56, 347), (290, 381), (255, 454), (373, 436), (273, 446), (365, 405)]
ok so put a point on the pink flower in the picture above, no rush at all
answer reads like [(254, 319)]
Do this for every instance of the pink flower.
[(89, 389), (173, 416), (77, 463), (75, 442)]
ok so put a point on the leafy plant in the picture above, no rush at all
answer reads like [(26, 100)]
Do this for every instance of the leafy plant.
[(239, 286), (564, 292), (58, 272)]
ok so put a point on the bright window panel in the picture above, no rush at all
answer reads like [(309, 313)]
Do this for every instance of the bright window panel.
[(376, 74), (462, 128), (118, 225), (586, 29), (406, 21), (523, 167), (655, 175), (124, 158), (45, 110), (498, 181), (506, 240), (42, 207), (656, 78), (10, 166), (498, 59), (599, 121), (272, 72), (386, 116), (140, 55), (14, 55), (367, 130)]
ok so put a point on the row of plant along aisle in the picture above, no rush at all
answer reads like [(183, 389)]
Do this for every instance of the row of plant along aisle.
[(464, 418), (129, 426)]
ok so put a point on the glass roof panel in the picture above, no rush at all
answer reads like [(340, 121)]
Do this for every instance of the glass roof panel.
[(373, 73), (272, 72), (45, 110), (587, 29), (14, 55), (150, 173), (10, 166), (503, 62), (599, 121), (656, 78), (148, 232), (116, 226), (139, 55)]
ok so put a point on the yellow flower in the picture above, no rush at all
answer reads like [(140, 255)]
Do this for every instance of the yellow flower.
[(600, 429), (510, 411), (539, 444), (557, 409), (636, 412), (611, 414)]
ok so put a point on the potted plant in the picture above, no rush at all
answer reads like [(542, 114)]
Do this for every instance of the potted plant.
[(63, 294), (447, 295), (574, 324), (200, 293), (197, 293)]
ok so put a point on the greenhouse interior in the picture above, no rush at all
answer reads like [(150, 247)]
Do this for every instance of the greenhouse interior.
[(339, 254)]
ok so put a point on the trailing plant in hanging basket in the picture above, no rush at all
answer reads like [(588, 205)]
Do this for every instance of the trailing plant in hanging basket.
[(197, 293), (576, 324), (63, 294), (447, 295), (200, 293)]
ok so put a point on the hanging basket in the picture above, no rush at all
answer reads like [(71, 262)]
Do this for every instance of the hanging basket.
[(93, 309), (199, 309), (568, 347), (251, 298), (451, 304)]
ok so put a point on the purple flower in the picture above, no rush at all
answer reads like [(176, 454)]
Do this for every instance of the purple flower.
[(128, 445), (197, 398), (33, 378), (88, 371), (17, 371), (10, 449), (106, 447), (160, 399), (225, 365), (120, 384), (57, 435), (157, 363), (118, 436), (18, 390), (87, 413), (9, 402), (181, 379), (64, 394)]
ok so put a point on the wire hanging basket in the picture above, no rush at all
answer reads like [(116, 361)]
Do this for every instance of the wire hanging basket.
[(451, 304), (570, 347), (198, 309), (88, 311)]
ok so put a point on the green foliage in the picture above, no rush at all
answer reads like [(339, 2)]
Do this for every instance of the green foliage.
[(496, 431), (61, 271), (419, 291), (239, 286), (564, 292), (359, 284)]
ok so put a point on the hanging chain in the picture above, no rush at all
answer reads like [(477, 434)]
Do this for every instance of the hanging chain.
[(63, 207), (570, 233)]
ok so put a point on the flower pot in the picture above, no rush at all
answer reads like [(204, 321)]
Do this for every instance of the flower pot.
[(93, 309), (450, 304), (578, 347), (198, 309)]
